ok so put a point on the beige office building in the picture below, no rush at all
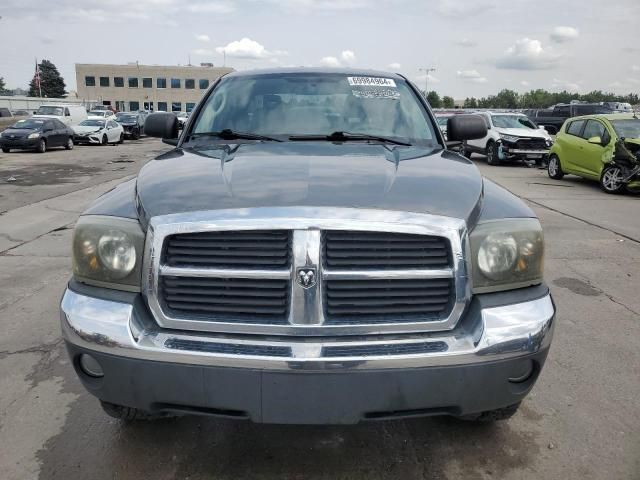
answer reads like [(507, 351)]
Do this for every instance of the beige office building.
[(134, 87)]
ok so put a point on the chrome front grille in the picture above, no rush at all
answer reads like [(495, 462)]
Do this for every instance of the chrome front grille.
[(306, 271)]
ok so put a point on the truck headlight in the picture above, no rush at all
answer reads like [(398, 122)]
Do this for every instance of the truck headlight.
[(506, 254), (107, 252), (34, 135), (509, 138)]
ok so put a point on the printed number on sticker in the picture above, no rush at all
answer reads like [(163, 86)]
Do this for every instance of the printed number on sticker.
[(371, 82)]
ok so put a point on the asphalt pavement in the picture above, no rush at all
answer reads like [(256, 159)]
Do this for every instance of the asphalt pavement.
[(582, 420)]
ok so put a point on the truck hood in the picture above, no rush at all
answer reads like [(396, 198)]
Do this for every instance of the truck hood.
[(525, 133), (320, 174)]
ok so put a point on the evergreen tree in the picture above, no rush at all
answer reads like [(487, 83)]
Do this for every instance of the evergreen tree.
[(51, 82), (434, 99), (448, 102)]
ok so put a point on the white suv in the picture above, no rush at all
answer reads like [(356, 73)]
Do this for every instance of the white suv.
[(510, 137)]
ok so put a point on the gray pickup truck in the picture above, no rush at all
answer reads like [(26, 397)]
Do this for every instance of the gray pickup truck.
[(310, 252)]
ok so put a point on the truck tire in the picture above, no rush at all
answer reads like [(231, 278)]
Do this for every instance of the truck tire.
[(554, 169), (611, 179), (126, 414), (492, 154), (493, 415)]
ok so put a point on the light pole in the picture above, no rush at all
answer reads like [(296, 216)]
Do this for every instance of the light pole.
[(427, 71)]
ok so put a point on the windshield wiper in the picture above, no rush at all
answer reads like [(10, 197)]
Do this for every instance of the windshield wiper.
[(340, 136), (228, 134)]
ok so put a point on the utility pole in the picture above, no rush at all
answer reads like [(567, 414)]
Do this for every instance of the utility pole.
[(426, 71)]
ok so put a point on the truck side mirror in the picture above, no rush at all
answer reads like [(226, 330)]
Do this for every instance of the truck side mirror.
[(466, 127), (162, 125)]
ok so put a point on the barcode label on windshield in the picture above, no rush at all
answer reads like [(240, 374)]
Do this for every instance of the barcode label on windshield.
[(371, 82)]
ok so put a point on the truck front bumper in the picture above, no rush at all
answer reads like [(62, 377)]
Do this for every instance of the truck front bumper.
[(490, 360)]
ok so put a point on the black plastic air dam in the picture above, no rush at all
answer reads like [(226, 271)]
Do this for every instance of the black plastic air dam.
[(309, 397)]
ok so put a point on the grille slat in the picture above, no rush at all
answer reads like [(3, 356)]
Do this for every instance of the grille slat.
[(227, 300), (386, 301), (384, 349), (381, 250), (258, 249)]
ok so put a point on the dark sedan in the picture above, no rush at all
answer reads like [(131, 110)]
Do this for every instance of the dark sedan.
[(133, 124), (37, 134)]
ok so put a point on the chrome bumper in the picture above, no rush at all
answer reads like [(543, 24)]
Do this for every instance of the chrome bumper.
[(118, 329)]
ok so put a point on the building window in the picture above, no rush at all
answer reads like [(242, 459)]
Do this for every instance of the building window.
[(190, 106), (176, 106), (161, 83), (90, 81), (120, 105), (134, 106), (133, 82), (147, 82), (204, 83), (104, 81), (162, 106), (175, 83), (189, 84), (118, 81)]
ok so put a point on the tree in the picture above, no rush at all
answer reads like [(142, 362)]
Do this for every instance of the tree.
[(470, 103), (434, 99), (51, 82), (448, 102), (2, 87)]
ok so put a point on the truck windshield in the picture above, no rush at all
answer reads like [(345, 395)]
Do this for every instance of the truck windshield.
[(627, 128), (301, 104), (511, 121)]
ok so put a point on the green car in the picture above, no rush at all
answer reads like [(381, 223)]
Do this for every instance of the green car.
[(586, 146)]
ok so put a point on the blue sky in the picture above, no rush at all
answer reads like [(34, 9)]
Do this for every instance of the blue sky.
[(476, 46)]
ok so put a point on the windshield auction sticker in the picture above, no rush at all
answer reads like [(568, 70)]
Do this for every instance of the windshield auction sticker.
[(371, 82)]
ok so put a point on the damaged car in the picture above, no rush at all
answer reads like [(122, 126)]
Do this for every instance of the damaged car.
[(510, 137), (132, 123), (99, 132), (605, 148)]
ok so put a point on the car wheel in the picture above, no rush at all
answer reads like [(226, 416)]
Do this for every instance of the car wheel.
[(493, 415), (464, 151), (42, 146), (611, 179), (69, 145), (492, 154), (554, 169), (5, 150), (104, 140), (121, 140)]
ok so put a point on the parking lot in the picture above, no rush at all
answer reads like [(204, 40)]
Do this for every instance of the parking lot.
[(582, 420)]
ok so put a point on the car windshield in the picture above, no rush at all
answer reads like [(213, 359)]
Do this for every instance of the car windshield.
[(126, 118), (49, 110), (300, 104), (511, 121), (92, 123), (98, 114), (627, 128), (29, 124)]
